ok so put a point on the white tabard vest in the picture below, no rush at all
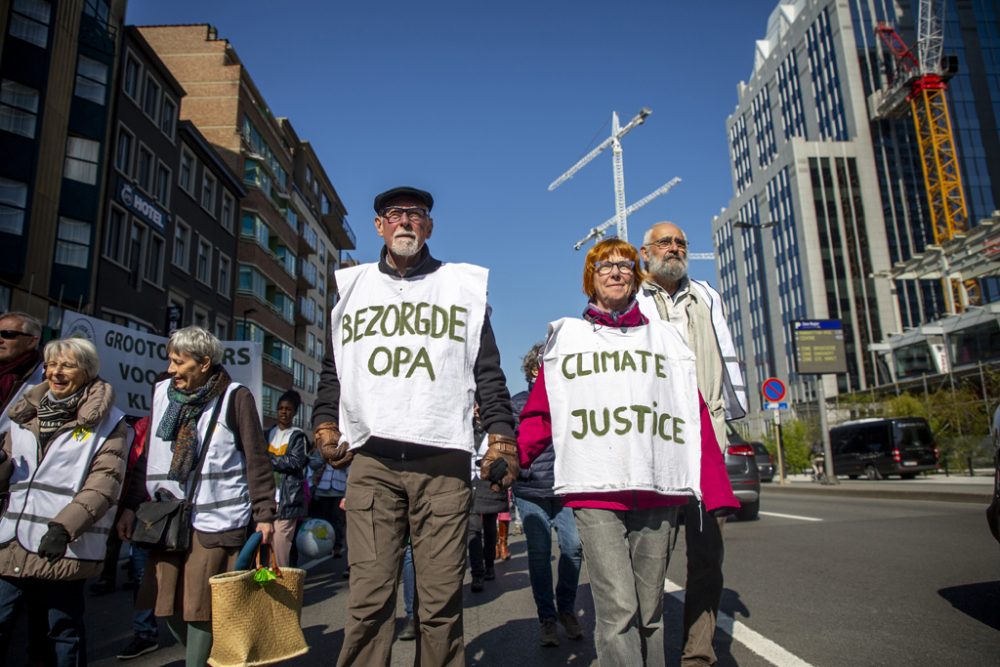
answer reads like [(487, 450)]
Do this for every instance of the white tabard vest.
[(624, 407), (277, 444), (735, 391), (222, 500), (36, 377), (406, 351), (39, 491)]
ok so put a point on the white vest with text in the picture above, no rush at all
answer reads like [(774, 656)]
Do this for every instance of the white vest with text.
[(624, 408), (222, 497), (40, 490), (406, 351)]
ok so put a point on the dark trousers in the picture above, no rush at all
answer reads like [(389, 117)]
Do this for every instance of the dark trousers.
[(328, 509), (482, 543), (387, 500), (59, 605), (705, 552)]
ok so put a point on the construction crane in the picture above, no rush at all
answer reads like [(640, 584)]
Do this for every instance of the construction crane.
[(621, 215), (919, 87), (597, 232)]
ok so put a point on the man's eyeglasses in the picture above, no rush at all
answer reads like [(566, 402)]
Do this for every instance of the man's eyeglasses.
[(396, 214), (665, 242), (625, 267), (10, 334)]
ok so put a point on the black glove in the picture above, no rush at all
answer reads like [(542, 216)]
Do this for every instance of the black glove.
[(53, 544), (498, 470)]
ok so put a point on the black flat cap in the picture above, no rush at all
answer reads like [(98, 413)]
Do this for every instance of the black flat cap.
[(381, 200)]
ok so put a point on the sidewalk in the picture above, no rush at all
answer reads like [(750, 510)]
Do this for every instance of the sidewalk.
[(952, 488)]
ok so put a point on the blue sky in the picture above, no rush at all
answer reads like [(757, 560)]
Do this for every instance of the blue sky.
[(486, 103)]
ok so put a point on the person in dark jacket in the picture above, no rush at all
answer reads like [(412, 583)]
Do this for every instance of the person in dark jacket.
[(286, 448), (20, 360), (542, 510), (487, 504), (412, 349)]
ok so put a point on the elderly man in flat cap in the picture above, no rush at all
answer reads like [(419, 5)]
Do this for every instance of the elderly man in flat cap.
[(412, 351)]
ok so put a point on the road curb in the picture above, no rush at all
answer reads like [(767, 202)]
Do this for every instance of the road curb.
[(982, 498)]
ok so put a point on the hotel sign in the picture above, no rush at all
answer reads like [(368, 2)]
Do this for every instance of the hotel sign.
[(136, 202)]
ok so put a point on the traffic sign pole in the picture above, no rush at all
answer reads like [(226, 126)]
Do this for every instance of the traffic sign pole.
[(781, 457)]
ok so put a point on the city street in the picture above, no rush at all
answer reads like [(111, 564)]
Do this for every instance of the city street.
[(817, 580)]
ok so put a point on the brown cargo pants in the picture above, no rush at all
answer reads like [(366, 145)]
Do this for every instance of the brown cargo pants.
[(387, 499)]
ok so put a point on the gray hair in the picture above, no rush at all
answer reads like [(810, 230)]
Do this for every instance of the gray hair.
[(81, 350), (197, 343), (648, 236), (29, 323)]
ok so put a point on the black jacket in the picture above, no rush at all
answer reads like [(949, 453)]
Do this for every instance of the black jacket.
[(491, 384), (290, 474)]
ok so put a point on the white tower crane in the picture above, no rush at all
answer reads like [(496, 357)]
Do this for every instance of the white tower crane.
[(597, 232), (621, 215)]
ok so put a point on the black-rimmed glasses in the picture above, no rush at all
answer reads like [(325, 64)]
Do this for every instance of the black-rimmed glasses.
[(625, 267), (664, 242), (11, 334), (396, 214)]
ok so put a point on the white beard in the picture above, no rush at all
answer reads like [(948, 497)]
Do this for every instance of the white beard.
[(405, 246), (670, 269)]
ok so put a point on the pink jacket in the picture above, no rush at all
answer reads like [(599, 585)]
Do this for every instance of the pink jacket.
[(535, 434)]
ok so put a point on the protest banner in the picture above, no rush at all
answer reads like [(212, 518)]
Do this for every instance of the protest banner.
[(131, 360)]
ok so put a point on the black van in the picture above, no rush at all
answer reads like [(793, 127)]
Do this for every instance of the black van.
[(876, 448)]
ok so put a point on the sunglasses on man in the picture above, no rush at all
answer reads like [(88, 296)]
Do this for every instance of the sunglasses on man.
[(10, 334)]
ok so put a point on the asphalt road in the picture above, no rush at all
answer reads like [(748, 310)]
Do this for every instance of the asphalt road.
[(836, 581)]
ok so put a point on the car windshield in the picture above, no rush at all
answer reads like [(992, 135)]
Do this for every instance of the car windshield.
[(913, 435)]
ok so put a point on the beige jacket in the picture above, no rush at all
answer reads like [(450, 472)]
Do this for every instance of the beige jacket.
[(709, 366), (99, 493)]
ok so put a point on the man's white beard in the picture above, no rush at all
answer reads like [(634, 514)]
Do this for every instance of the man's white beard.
[(670, 269), (405, 246)]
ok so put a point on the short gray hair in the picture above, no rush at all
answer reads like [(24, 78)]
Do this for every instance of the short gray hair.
[(648, 236), (81, 350), (29, 323), (197, 343)]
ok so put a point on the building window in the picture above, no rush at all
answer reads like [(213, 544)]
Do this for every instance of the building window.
[(208, 192), (123, 151), (151, 100), (91, 80), (188, 166), (136, 241), (144, 169), (324, 204), (114, 240), (13, 202), (81, 159), (221, 328), (182, 243), (225, 275), (133, 70), (18, 108), (200, 318), (29, 20), (163, 184), (72, 243), (203, 268), (168, 117), (228, 210), (154, 260)]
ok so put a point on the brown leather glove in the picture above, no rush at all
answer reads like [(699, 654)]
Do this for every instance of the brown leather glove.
[(500, 464), (327, 439)]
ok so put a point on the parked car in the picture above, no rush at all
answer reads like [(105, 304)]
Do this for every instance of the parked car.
[(877, 448), (765, 462), (744, 476)]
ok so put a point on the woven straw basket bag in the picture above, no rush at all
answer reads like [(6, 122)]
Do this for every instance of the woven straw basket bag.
[(254, 624)]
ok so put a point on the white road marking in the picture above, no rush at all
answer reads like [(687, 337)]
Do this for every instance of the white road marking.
[(754, 641), (791, 516)]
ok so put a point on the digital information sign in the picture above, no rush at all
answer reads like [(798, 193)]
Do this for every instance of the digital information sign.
[(819, 347)]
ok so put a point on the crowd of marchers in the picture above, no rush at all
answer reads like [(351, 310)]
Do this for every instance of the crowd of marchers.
[(418, 458)]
